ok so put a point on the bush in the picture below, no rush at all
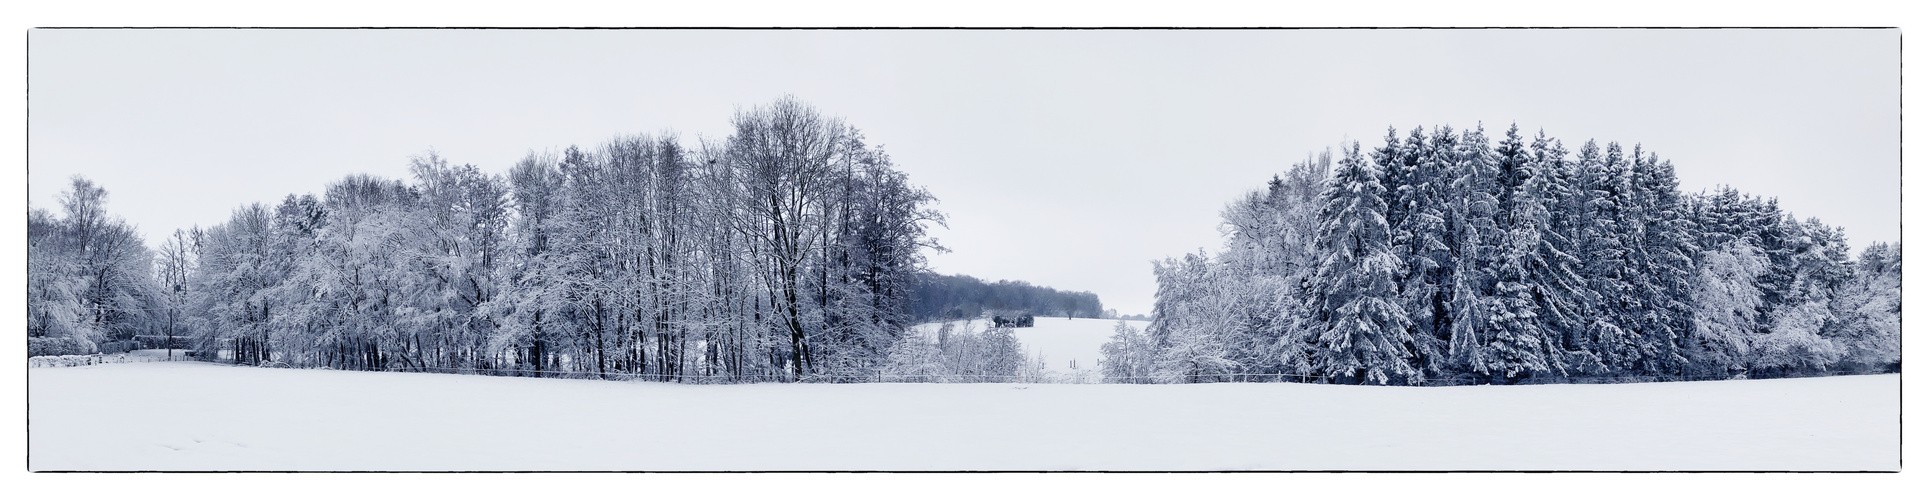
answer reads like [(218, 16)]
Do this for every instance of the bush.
[(952, 355), (1012, 320), (61, 346)]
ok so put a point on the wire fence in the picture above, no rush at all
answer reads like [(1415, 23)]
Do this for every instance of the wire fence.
[(72, 360), (1081, 376), (1048, 377), (1467, 379), (873, 377)]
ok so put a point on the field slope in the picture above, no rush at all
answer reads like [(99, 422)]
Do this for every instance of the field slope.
[(195, 416)]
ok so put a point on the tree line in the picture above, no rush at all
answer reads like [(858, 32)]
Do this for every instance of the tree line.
[(1443, 258), (792, 250), (789, 250), (950, 297)]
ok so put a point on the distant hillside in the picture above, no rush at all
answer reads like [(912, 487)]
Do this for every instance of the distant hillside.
[(959, 296)]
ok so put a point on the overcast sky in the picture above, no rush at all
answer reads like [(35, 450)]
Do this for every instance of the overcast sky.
[(1069, 159)]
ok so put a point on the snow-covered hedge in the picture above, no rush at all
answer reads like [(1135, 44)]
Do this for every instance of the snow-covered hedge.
[(57, 346)]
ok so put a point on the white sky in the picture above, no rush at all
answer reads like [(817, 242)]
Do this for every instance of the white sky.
[(1065, 158)]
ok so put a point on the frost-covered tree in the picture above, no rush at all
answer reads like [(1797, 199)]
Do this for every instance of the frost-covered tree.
[(914, 358), (55, 286), (1558, 289), (1868, 312), (1422, 239), (1365, 333), (1612, 236), (1129, 357), (1727, 297), (1003, 356), (176, 264), (235, 285), (1195, 326), (1664, 253), (1795, 340), (1236, 315), (955, 352), (1473, 238), (1520, 346), (529, 331)]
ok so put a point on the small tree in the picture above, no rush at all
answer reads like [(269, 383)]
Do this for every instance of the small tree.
[(1128, 357)]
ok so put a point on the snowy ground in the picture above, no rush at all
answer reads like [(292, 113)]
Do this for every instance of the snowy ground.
[(196, 416), (1068, 346)]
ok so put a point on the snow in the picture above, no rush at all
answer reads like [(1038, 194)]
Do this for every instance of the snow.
[(1059, 341), (198, 416)]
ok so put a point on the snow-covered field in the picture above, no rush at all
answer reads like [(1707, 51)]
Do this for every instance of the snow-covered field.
[(196, 416), (1068, 346)]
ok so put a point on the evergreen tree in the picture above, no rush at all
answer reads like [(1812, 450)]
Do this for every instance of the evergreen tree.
[(1665, 254), (1365, 330), (1611, 266), (1519, 346), (1474, 243), (1426, 288), (1559, 289)]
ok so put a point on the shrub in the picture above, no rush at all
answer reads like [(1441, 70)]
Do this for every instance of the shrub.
[(57, 346)]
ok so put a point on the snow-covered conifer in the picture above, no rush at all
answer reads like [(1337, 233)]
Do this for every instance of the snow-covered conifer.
[(1561, 292), (1365, 332), (1421, 241), (1473, 239), (1519, 346)]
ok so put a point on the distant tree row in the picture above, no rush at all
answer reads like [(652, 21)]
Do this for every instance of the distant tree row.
[(1443, 258), (941, 297), (789, 250)]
